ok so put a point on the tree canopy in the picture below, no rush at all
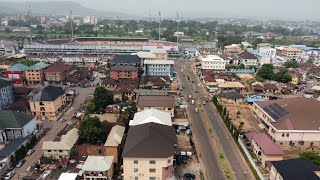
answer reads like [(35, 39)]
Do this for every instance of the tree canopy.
[(102, 98), (91, 131), (291, 64), (312, 156), (266, 72)]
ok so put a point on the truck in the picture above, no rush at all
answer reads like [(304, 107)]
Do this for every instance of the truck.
[(192, 101)]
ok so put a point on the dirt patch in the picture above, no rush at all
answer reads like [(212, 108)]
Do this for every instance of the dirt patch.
[(110, 117), (245, 76)]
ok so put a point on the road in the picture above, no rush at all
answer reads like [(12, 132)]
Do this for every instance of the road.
[(232, 154), (55, 128)]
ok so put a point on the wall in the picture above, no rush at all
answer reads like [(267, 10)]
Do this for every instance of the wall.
[(214, 65), (56, 153), (123, 75), (29, 128), (34, 76), (6, 96), (164, 109), (16, 76), (52, 108), (144, 167), (112, 151), (158, 69), (95, 174), (264, 157)]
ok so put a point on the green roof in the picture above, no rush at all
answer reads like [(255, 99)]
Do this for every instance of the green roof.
[(18, 67), (39, 66), (12, 119)]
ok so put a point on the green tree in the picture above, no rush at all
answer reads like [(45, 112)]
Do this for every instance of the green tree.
[(102, 98), (33, 140), (72, 152), (90, 107), (91, 130), (291, 64), (13, 161), (266, 72), (312, 156), (283, 76)]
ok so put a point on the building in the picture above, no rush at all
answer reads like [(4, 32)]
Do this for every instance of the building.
[(68, 176), (145, 55), (158, 68), (6, 93), (60, 149), (162, 103), (114, 142), (145, 159), (269, 35), (290, 53), (90, 20), (151, 116), (123, 72), (155, 82), (291, 123), (248, 59), (233, 48), (35, 73), (124, 92), (232, 97), (126, 60), (98, 167), (231, 86), (48, 104), (4, 65), (213, 62), (191, 52), (16, 73), (57, 72), (160, 53), (264, 148), (294, 169), (15, 125)]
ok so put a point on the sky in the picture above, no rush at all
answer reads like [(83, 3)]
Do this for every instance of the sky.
[(292, 9)]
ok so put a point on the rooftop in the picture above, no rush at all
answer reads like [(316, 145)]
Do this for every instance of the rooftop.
[(49, 93), (39, 66), (4, 83), (158, 62), (155, 101), (115, 136), (124, 88), (125, 58), (11, 147), (232, 95), (293, 113), (265, 143), (247, 55), (235, 84), (58, 67), (98, 163), (13, 119), (158, 51), (18, 67), (146, 55), (66, 143), (292, 49), (151, 116), (212, 58), (150, 140)]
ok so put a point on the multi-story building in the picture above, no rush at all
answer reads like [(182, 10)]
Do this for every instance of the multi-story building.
[(146, 55), (213, 62), (126, 60), (162, 103), (114, 142), (48, 104), (16, 73), (123, 72), (160, 53), (57, 72), (6, 93), (291, 123), (35, 73), (98, 167), (248, 59), (289, 53), (158, 68), (233, 48)]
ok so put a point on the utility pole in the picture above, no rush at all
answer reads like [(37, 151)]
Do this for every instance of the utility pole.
[(159, 25), (71, 22), (178, 20), (29, 18)]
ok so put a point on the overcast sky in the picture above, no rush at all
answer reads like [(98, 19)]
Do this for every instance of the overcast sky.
[(307, 9)]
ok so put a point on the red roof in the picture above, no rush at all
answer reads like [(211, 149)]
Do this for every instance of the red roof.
[(58, 67), (266, 144), (209, 78)]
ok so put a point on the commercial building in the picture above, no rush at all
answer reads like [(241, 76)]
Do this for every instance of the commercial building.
[(48, 104), (60, 149), (291, 53), (160, 53), (16, 73), (35, 73), (98, 167), (158, 68), (114, 142), (123, 72), (15, 125), (126, 60), (291, 123), (162, 103), (57, 72), (213, 62), (6, 93)]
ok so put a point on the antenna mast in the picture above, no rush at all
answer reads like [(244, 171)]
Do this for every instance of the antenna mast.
[(159, 25), (178, 20), (29, 18), (71, 22)]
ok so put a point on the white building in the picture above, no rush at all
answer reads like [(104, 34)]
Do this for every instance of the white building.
[(158, 67), (213, 62), (98, 167), (151, 116)]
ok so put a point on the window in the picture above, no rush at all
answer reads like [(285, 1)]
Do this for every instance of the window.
[(282, 135), (135, 162), (135, 170), (152, 162), (169, 160), (49, 150), (152, 170), (152, 178), (136, 178), (169, 109), (60, 151), (288, 135)]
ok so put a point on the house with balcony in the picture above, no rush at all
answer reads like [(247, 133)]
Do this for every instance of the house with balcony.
[(98, 167), (35, 73), (162, 103), (123, 72), (48, 104), (57, 73), (158, 68), (6, 93)]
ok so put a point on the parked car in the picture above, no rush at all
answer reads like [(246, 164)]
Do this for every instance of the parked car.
[(184, 159), (189, 176), (20, 163), (30, 151), (9, 175), (204, 103), (62, 120)]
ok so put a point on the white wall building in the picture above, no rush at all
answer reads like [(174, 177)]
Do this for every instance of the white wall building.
[(213, 62)]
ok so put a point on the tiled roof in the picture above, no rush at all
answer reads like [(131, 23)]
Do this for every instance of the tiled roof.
[(109, 81), (58, 67), (49, 93), (4, 83), (12, 119), (125, 88), (155, 101), (209, 78), (18, 67), (269, 86), (266, 144), (124, 58), (247, 55), (232, 95)]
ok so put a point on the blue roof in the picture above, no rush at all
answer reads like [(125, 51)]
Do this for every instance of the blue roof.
[(12, 147), (298, 46), (18, 67), (252, 99), (39, 66), (304, 47)]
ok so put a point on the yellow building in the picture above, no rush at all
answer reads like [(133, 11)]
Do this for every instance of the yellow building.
[(160, 54), (35, 73), (98, 167), (48, 104)]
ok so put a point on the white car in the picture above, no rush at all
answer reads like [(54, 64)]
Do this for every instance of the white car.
[(30, 151), (62, 120), (9, 175)]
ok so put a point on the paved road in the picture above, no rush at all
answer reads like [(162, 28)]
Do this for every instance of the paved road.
[(232, 154), (56, 127)]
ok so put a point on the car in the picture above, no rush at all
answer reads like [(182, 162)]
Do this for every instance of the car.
[(189, 176), (9, 175), (20, 163), (29, 169), (204, 102), (62, 120), (30, 151)]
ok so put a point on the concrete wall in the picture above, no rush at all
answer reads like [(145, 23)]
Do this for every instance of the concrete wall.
[(164, 109), (264, 157), (52, 109), (123, 75)]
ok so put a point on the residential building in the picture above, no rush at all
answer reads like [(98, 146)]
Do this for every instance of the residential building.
[(233, 48), (162, 103), (123, 72), (263, 59), (231, 86), (248, 59), (60, 149), (291, 123), (145, 159), (213, 62), (265, 48), (14, 125), (124, 92), (269, 35), (114, 142), (48, 104), (98, 167), (294, 169), (290, 53), (6, 93), (155, 82), (232, 97), (109, 83), (35, 73), (126, 60), (160, 53), (145, 55), (57, 72), (4, 65), (158, 68), (151, 116), (264, 148), (191, 52), (16, 73)]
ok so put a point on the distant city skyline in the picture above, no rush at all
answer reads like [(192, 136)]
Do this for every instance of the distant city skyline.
[(284, 9)]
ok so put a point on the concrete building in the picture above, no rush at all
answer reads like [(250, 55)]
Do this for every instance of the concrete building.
[(126, 60), (35, 73), (233, 48), (160, 53), (162, 103), (48, 104), (213, 62), (232, 97), (291, 123), (114, 142), (289, 53), (123, 72), (60, 149), (15, 125), (57, 72), (6, 93), (16, 73), (292, 169), (151, 116), (158, 68), (98, 167), (145, 55), (248, 59)]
